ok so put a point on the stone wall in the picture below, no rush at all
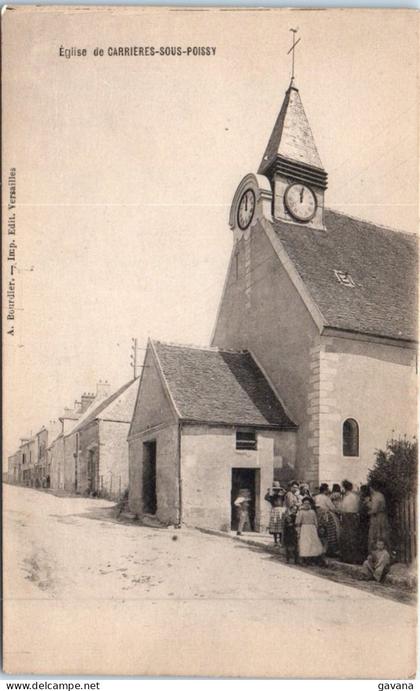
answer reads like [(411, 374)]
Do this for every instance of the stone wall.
[(56, 454), (153, 406), (373, 383), (69, 463), (262, 311), (88, 440), (113, 457), (167, 464), (208, 455)]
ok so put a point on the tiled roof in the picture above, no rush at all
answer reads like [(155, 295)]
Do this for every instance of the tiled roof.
[(117, 407), (382, 264), (121, 408), (291, 136), (215, 386)]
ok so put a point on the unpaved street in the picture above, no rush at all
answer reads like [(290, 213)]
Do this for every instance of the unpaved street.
[(87, 594)]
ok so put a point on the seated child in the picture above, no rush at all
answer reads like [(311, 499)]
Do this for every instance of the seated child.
[(290, 534), (377, 564)]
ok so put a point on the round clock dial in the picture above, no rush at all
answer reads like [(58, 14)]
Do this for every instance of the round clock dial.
[(246, 209), (300, 202)]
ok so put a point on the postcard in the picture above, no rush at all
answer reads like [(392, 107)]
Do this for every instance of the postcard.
[(210, 220)]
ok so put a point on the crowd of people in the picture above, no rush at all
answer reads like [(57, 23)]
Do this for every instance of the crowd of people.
[(338, 522)]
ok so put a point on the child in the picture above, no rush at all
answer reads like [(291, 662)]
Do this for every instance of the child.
[(275, 496), (290, 535), (377, 564), (310, 546)]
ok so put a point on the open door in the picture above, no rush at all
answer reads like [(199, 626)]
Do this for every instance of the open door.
[(149, 478), (245, 478)]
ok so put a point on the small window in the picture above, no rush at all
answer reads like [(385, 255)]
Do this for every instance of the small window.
[(246, 440), (344, 278), (350, 438)]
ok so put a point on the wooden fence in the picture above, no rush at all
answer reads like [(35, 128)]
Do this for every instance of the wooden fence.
[(404, 528)]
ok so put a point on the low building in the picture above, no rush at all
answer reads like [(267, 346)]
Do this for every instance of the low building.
[(56, 450), (207, 423), (28, 454), (14, 468), (56, 457), (99, 444)]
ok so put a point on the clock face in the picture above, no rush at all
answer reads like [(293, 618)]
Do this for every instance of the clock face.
[(246, 209), (300, 202)]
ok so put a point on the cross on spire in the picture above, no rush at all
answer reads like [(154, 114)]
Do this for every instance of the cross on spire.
[(292, 51)]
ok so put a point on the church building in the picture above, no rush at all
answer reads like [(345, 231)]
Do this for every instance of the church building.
[(312, 365), (327, 303)]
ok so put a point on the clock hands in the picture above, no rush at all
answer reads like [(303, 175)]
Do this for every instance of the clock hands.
[(246, 209), (300, 202)]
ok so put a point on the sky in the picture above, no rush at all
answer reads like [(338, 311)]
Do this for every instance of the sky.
[(126, 168)]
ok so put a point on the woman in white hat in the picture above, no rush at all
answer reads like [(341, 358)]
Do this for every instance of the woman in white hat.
[(275, 496)]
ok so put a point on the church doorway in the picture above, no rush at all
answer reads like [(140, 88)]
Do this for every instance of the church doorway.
[(245, 478), (149, 478)]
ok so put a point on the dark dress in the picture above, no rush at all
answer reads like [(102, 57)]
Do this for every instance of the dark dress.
[(290, 536), (364, 528), (350, 545)]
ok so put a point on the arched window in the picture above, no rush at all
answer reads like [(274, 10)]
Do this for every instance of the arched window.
[(350, 437)]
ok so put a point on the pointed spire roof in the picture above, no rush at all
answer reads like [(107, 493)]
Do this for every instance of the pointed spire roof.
[(292, 136)]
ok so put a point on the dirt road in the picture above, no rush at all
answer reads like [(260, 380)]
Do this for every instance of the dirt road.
[(87, 594)]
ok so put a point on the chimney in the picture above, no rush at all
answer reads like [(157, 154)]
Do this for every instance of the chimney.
[(86, 399), (102, 388)]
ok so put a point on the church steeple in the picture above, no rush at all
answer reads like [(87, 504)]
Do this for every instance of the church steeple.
[(292, 136), (293, 166)]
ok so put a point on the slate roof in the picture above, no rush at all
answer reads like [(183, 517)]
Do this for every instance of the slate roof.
[(118, 407), (291, 136), (381, 262), (215, 386)]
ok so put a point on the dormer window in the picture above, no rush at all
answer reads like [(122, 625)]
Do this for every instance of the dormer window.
[(246, 439), (344, 278)]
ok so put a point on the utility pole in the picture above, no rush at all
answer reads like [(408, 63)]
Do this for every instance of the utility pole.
[(133, 357)]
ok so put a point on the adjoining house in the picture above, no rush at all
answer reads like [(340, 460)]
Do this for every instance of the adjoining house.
[(14, 468), (87, 401), (42, 468), (28, 456), (29, 465), (206, 423), (96, 450), (59, 480)]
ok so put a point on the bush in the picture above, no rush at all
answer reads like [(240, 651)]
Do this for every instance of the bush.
[(395, 469)]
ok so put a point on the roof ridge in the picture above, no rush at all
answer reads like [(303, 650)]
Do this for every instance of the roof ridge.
[(382, 226), (212, 389), (94, 410), (193, 346)]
